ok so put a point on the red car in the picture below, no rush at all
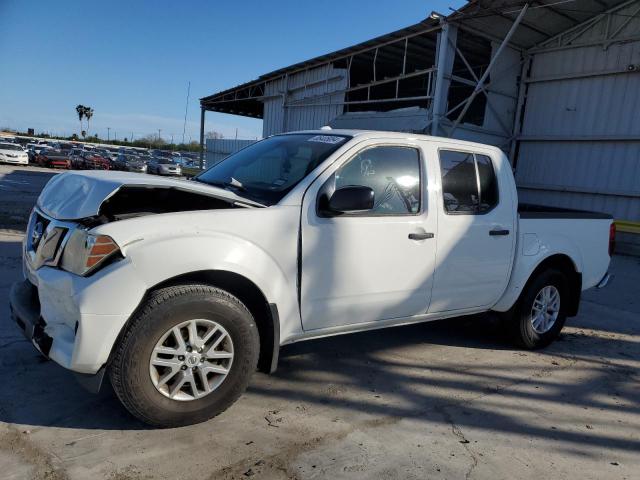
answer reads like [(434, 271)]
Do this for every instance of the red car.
[(53, 159), (88, 160), (94, 161)]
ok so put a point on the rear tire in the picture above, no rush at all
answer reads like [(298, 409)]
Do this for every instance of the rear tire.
[(540, 313), (132, 367)]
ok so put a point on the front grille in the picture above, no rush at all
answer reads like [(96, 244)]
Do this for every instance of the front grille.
[(38, 227), (45, 240)]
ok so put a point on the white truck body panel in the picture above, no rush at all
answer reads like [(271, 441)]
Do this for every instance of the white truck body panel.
[(325, 275)]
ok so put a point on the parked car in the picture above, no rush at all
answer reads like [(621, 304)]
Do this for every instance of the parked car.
[(95, 161), (130, 163), (54, 159), (120, 162), (135, 164), (13, 153), (298, 236), (77, 160), (37, 147), (163, 166), (88, 159)]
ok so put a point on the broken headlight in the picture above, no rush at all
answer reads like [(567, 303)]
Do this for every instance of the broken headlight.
[(85, 252)]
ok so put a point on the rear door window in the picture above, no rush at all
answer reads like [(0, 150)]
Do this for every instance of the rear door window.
[(469, 183), (488, 183)]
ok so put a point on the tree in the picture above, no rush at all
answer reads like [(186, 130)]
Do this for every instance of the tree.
[(213, 135), (88, 113), (80, 110)]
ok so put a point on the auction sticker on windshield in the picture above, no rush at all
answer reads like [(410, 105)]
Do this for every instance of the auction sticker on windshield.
[(332, 139)]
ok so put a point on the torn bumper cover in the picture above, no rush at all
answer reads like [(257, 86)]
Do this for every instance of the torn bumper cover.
[(25, 311)]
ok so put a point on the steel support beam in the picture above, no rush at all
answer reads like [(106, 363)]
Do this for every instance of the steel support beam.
[(559, 41), (445, 54), (202, 110), (285, 97), (519, 113), (579, 138), (485, 75), (573, 76)]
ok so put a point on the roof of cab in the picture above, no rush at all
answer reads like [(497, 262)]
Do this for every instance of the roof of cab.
[(380, 134)]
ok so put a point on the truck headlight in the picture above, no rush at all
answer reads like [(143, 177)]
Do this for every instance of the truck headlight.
[(85, 252)]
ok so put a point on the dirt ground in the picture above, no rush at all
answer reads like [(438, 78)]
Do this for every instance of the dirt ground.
[(447, 399)]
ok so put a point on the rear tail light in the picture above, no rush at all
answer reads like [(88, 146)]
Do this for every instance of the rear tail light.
[(612, 238)]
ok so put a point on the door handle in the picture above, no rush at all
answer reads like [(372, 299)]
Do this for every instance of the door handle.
[(496, 233), (420, 236)]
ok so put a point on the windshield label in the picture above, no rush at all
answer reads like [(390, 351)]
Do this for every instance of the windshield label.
[(332, 139)]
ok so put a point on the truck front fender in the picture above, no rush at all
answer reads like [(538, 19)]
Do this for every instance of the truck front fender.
[(158, 260)]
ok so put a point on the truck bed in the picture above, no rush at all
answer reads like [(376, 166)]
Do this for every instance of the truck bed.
[(530, 210)]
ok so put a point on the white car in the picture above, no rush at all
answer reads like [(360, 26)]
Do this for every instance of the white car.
[(13, 153), (180, 289)]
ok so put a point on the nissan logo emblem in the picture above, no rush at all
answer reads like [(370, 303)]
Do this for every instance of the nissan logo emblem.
[(36, 236)]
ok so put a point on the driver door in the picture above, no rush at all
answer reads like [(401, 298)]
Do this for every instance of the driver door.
[(373, 265)]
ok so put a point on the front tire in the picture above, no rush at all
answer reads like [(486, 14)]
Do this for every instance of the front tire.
[(538, 317), (186, 356)]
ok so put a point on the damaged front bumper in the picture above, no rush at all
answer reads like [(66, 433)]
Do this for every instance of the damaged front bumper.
[(25, 311)]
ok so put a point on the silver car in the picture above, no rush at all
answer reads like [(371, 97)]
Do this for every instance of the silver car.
[(163, 166)]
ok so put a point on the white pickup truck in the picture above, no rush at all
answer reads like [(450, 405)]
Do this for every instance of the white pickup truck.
[(179, 290)]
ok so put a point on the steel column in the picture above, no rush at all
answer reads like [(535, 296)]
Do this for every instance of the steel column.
[(445, 53), (202, 110)]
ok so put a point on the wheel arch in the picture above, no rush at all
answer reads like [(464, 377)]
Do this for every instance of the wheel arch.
[(563, 263), (559, 261), (264, 313), (567, 266)]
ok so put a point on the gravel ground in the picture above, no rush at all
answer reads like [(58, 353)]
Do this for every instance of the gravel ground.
[(448, 399)]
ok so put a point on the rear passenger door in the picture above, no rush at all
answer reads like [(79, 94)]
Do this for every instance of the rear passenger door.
[(476, 230)]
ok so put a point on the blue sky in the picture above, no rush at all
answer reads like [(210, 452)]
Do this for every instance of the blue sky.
[(131, 60)]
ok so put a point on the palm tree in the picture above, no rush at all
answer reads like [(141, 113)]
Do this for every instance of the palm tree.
[(81, 109), (88, 113)]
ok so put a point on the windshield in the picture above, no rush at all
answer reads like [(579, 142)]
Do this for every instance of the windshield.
[(10, 146), (267, 170)]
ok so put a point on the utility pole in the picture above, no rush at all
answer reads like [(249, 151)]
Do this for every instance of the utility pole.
[(108, 133), (159, 130), (186, 108)]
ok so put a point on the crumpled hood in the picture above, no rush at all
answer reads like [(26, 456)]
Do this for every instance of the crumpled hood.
[(77, 195)]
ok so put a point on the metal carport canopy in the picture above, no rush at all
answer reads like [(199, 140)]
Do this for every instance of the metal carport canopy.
[(492, 19)]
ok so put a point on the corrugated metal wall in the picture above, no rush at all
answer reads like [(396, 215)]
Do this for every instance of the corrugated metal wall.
[(326, 83), (220, 148), (580, 145)]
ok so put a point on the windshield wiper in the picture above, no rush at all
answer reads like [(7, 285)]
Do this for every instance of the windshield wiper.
[(234, 186), (227, 185)]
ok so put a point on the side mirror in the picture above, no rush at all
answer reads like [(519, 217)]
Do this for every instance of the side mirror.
[(354, 198)]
